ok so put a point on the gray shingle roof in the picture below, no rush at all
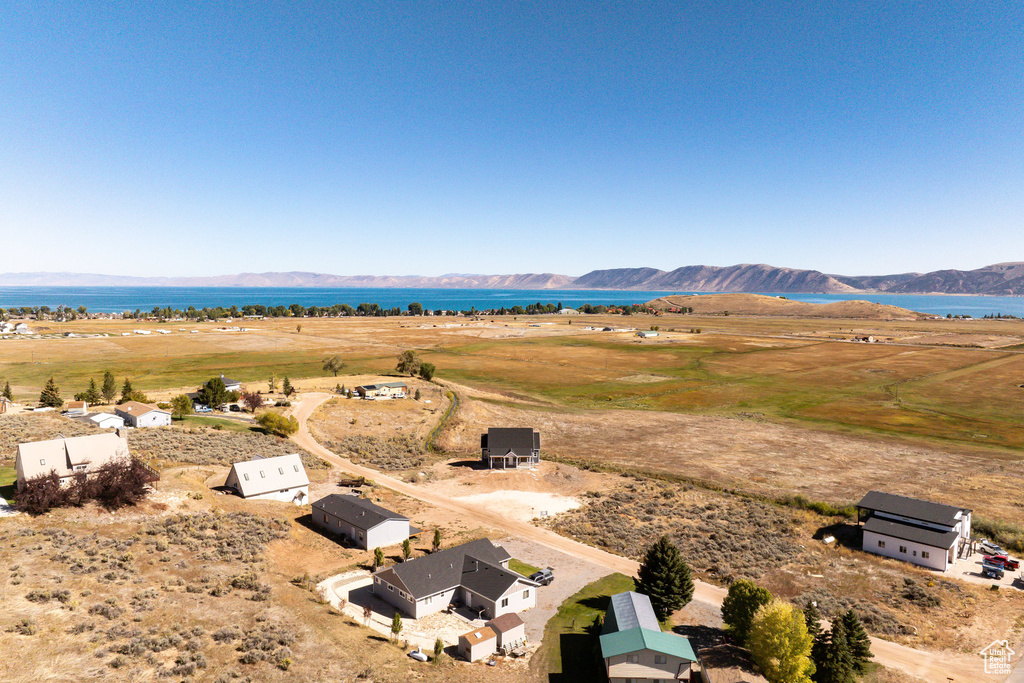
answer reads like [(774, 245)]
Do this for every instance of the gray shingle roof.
[(455, 566), (359, 512), (630, 610), (913, 508), (910, 532), (519, 440)]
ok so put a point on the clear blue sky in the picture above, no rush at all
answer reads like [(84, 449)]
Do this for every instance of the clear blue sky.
[(173, 138)]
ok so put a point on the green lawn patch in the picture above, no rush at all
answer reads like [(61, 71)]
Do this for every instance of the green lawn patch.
[(521, 567), (8, 482), (214, 422), (570, 643)]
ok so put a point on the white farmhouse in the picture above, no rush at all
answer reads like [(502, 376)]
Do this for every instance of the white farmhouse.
[(138, 414), (68, 457), (363, 523), (281, 478), (917, 531)]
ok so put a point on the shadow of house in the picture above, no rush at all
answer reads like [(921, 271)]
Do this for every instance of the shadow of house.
[(581, 659)]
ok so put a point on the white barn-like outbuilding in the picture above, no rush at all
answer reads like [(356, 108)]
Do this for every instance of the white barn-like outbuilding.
[(280, 478)]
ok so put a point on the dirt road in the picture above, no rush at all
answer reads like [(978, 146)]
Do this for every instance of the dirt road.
[(931, 666)]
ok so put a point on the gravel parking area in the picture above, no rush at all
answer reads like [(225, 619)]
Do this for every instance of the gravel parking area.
[(969, 569), (571, 574)]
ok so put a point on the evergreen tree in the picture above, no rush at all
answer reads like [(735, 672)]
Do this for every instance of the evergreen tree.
[(738, 609), (90, 395), (286, 387), (837, 664), (8, 394), (417, 395), (50, 395), (859, 641), (109, 389), (126, 391), (378, 558), (813, 619), (396, 625), (406, 549), (438, 650), (665, 578), (437, 540)]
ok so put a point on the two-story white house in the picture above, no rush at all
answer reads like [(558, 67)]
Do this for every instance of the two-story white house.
[(635, 649), (474, 574), (917, 531), (69, 457)]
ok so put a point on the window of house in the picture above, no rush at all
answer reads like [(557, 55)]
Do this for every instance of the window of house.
[(296, 467), (915, 553), (526, 594), (390, 587), (504, 603), (633, 659), (903, 548), (280, 470), (246, 477), (42, 462), (881, 544), (401, 593), (660, 659), (263, 474), (925, 554)]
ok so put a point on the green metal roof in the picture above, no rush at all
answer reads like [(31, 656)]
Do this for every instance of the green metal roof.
[(634, 639)]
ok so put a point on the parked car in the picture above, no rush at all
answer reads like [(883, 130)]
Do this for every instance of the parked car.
[(992, 571), (200, 408), (544, 577), (1003, 561), (235, 408), (991, 548)]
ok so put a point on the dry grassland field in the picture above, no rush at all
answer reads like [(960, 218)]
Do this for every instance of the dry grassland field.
[(702, 435)]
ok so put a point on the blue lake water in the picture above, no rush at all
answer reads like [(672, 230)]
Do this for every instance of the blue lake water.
[(119, 299)]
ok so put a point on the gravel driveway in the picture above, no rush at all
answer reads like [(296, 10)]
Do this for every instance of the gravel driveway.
[(571, 574)]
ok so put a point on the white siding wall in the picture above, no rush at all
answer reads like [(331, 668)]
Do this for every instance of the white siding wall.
[(286, 496), (478, 650), (388, 533), (619, 669), (936, 560)]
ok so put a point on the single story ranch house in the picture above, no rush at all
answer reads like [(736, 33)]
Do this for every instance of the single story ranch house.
[(383, 390), (138, 414), (474, 574), (506, 447), (635, 648), (917, 531), (281, 478), (363, 523)]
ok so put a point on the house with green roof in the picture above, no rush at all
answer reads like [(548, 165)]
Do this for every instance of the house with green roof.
[(636, 650)]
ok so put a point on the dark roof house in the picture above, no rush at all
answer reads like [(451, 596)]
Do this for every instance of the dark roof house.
[(510, 446), (917, 531)]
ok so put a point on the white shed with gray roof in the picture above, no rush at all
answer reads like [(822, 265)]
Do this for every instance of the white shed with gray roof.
[(360, 521)]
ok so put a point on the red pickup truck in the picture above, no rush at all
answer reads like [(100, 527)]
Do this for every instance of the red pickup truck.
[(1003, 561)]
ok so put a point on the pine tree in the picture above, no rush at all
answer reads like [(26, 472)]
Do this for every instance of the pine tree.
[(859, 641), (837, 665), (406, 549), (8, 394), (396, 625), (126, 391), (50, 395), (286, 387), (92, 394), (109, 389), (813, 618), (378, 558), (665, 578), (437, 540)]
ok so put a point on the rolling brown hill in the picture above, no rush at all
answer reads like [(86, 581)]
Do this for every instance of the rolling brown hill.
[(760, 305)]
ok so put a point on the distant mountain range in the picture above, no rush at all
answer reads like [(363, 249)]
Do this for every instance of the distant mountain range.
[(1002, 279)]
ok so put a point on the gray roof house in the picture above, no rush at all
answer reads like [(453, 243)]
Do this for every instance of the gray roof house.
[(474, 574), (363, 523), (383, 390), (917, 531), (510, 447), (281, 478), (635, 648)]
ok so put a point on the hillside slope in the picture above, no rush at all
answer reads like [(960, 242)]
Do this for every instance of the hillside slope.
[(758, 304)]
